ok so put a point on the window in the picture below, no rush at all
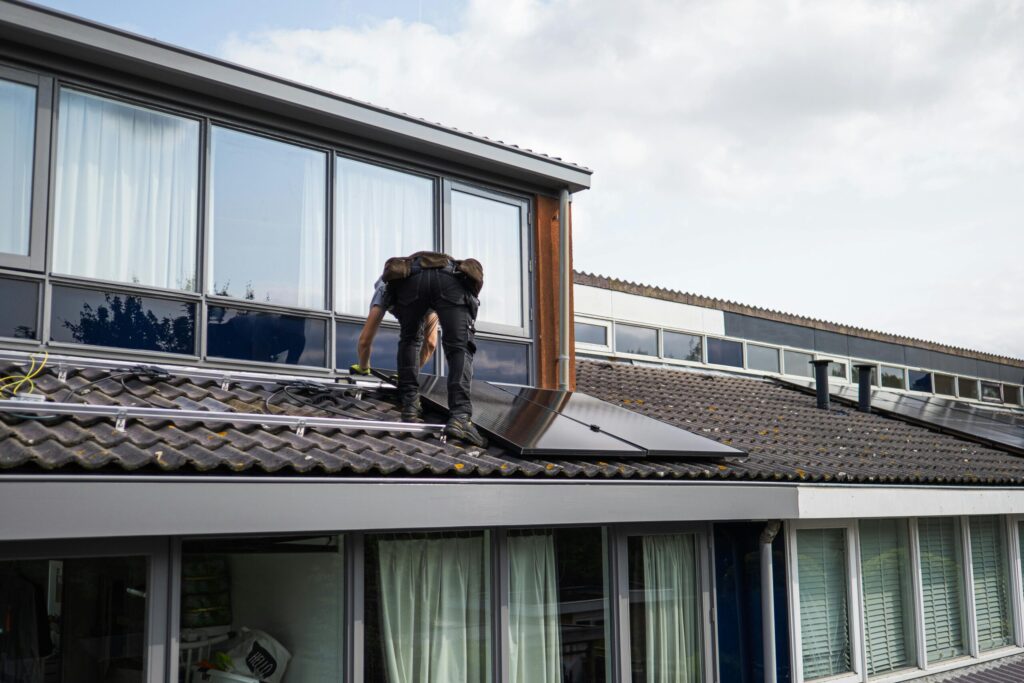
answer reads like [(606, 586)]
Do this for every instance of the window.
[(383, 354), (17, 139), (81, 619), (945, 384), (888, 595), (125, 321), (287, 591), (265, 337), (1011, 394), (127, 188), (665, 608), (942, 587), (893, 377), (642, 341), (498, 361), (491, 231), (836, 369), (19, 306), (762, 358), (725, 352), (427, 607), (824, 610), (855, 375), (267, 220), (798, 364), (587, 333), (683, 346), (993, 614), (920, 380), (557, 606), (967, 388), (991, 391), (380, 213)]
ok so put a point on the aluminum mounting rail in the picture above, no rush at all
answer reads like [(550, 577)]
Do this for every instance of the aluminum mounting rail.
[(121, 414)]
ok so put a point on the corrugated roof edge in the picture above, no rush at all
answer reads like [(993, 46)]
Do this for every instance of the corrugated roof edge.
[(639, 289), (295, 84)]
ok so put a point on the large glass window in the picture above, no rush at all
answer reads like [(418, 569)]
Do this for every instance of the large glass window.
[(683, 346), (888, 595), (587, 333), (72, 620), (127, 193), (893, 377), (427, 608), (920, 380), (17, 139), (837, 369), (273, 605), (558, 606), (798, 364), (265, 337), (491, 231), (967, 387), (267, 220), (992, 609), (1011, 394), (665, 612), (945, 384), (725, 352), (762, 358), (500, 361), (126, 321), (642, 341), (990, 391), (824, 611), (380, 213), (383, 354), (19, 308), (942, 587)]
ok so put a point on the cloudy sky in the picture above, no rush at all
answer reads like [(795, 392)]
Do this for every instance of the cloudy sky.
[(861, 162)]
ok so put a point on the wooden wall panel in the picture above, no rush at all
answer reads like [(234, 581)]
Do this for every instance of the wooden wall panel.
[(546, 286)]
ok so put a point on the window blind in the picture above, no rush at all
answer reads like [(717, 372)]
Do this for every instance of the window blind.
[(824, 621), (991, 583), (887, 599), (942, 587)]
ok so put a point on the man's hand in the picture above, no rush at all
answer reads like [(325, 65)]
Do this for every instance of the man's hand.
[(356, 369)]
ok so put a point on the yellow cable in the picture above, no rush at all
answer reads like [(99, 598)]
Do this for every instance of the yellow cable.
[(19, 380)]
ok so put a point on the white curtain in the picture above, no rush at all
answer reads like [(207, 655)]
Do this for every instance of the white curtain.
[(672, 609), (434, 617), (127, 191), (380, 213), (535, 648), (491, 232), (17, 139)]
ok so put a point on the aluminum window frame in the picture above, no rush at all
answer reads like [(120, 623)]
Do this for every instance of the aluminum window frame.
[(596, 322), (659, 353), (157, 552), (45, 108)]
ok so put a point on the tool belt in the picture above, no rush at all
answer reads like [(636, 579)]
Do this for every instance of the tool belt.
[(401, 267)]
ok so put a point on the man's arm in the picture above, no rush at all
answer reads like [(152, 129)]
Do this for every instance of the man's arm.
[(367, 334), (429, 338)]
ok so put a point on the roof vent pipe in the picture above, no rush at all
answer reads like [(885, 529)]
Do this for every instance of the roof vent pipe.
[(864, 371), (821, 381)]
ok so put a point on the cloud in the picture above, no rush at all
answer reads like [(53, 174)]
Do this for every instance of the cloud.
[(743, 148)]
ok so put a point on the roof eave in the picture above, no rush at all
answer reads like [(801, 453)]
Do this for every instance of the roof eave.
[(95, 43)]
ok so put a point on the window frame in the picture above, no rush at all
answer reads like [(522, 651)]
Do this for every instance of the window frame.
[(658, 350), (596, 322), (45, 113), (157, 552)]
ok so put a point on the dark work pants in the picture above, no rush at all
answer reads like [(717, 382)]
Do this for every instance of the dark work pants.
[(442, 291)]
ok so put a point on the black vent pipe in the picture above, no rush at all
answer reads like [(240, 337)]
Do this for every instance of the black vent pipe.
[(821, 381), (864, 386)]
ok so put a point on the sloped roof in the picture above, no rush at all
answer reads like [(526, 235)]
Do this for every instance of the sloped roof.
[(787, 437)]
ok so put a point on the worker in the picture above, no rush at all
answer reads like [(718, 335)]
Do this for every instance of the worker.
[(429, 281), (379, 305)]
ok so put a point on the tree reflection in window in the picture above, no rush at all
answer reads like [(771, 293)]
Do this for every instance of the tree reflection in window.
[(123, 321)]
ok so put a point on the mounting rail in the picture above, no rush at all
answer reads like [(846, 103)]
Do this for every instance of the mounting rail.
[(121, 414)]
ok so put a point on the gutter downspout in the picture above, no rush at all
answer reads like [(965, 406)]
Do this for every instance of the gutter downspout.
[(768, 601), (564, 283)]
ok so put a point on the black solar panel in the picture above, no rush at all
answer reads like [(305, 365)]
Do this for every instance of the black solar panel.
[(542, 422), (1000, 428)]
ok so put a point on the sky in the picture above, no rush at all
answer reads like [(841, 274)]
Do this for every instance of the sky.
[(855, 161)]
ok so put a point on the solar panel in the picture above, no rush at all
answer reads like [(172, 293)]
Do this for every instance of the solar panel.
[(1001, 429), (571, 424)]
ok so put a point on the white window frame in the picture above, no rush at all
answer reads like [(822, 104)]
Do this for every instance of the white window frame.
[(597, 322), (778, 350), (638, 356), (855, 605)]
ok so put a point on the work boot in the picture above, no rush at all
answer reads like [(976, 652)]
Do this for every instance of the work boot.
[(412, 412), (459, 427)]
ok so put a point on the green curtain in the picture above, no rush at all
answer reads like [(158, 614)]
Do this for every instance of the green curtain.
[(535, 646), (942, 587), (434, 609), (991, 583), (824, 615), (672, 609), (885, 578)]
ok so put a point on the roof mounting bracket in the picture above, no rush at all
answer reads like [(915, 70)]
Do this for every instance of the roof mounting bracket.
[(120, 420), (62, 373), (225, 383), (300, 428)]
